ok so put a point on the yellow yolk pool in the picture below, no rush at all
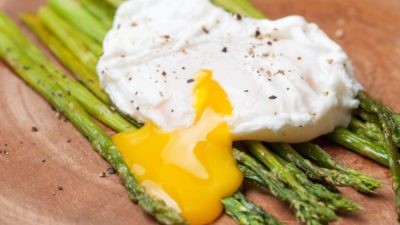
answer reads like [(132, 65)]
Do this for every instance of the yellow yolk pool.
[(191, 168)]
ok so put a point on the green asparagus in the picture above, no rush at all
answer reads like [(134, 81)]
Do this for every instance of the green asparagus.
[(269, 160), (65, 56), (76, 15), (388, 126), (333, 200), (317, 154), (246, 212), (35, 76), (367, 130), (370, 105), (359, 144), (101, 10), (76, 45), (115, 3), (305, 210), (93, 105), (334, 177)]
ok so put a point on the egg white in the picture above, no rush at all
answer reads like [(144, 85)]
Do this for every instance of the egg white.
[(286, 80)]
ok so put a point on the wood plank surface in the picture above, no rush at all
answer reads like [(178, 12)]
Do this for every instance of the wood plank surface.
[(52, 176)]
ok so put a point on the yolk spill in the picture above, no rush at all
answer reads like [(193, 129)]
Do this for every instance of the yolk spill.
[(191, 168)]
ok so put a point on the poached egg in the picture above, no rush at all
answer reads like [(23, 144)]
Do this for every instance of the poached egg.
[(200, 77)]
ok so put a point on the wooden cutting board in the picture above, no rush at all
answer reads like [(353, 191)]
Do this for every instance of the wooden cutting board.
[(52, 176)]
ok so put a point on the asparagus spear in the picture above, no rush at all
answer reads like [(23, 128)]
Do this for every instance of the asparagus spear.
[(83, 21), (115, 3), (247, 213), (101, 10), (368, 130), (370, 105), (65, 56), (369, 117), (60, 27), (268, 159), (333, 200), (35, 76), (76, 45), (388, 126), (360, 145), (333, 177), (93, 105), (305, 210), (316, 153)]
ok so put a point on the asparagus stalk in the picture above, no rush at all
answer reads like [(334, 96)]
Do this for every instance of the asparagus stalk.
[(247, 213), (59, 27), (101, 10), (76, 45), (83, 21), (317, 154), (305, 210), (330, 176), (368, 130), (35, 76), (65, 56), (369, 117), (333, 200), (388, 126), (370, 105), (269, 160), (360, 145), (115, 3), (93, 105)]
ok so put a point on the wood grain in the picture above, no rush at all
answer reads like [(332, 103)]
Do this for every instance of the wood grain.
[(51, 176)]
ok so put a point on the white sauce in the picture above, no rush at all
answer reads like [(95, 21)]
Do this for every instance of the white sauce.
[(286, 80)]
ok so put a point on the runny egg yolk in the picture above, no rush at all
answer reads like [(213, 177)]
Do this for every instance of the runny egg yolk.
[(190, 168)]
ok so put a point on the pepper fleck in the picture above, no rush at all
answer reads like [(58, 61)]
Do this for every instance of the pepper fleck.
[(190, 81), (111, 170), (272, 97), (224, 49), (34, 129)]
